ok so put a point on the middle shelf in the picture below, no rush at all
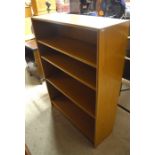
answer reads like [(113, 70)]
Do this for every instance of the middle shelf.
[(76, 49), (79, 71), (80, 95)]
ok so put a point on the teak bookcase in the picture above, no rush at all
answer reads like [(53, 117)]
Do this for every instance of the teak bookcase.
[(83, 57)]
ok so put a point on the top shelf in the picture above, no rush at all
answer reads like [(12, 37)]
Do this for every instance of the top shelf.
[(76, 49), (91, 22)]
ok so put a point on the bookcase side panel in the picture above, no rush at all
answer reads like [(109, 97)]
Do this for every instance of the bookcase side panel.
[(43, 29), (112, 43)]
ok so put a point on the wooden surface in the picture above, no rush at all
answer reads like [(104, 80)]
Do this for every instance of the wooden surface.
[(28, 12), (111, 51), (83, 97), (39, 6), (28, 24), (85, 35), (77, 49), (82, 122), (79, 20), (77, 70), (28, 31), (66, 57)]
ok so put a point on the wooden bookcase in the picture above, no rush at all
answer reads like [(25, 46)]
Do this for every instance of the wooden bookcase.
[(83, 58), (39, 7)]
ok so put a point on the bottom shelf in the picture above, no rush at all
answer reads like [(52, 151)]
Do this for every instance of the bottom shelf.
[(80, 119)]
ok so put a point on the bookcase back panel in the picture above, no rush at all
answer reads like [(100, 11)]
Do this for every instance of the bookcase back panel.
[(81, 95), (78, 118), (46, 30), (78, 70), (78, 33)]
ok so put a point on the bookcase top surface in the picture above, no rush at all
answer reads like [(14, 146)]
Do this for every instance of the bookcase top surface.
[(80, 20)]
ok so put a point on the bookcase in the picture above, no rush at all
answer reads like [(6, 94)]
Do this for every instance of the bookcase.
[(82, 58), (39, 6)]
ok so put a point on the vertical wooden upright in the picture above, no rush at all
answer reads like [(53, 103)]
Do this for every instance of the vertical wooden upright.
[(111, 52)]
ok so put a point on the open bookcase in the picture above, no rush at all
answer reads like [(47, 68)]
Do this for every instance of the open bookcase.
[(82, 59)]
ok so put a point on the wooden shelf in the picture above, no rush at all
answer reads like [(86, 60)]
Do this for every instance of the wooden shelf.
[(76, 49), (80, 95), (76, 69), (82, 122)]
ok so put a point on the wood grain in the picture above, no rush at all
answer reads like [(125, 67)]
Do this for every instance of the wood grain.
[(78, 50), (77, 70), (85, 21), (111, 51), (28, 12), (82, 96), (82, 122)]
